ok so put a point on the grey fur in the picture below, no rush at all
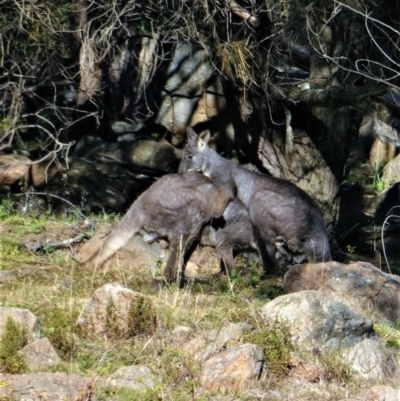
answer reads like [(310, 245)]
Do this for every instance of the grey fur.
[(277, 208), (175, 207)]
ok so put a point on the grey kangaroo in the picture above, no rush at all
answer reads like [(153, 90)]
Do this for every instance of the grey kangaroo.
[(238, 235), (176, 207), (277, 208)]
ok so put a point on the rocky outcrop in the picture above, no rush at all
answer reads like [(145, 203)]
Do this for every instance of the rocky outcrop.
[(108, 312), (317, 321), (391, 172), (45, 386), (192, 94), (358, 285), (14, 169), (320, 325)]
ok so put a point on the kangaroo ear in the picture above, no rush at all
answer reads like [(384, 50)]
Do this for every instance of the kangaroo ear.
[(191, 135), (203, 139)]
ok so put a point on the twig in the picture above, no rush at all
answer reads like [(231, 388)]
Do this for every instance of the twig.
[(44, 245)]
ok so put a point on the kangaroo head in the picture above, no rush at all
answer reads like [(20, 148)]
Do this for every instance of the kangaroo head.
[(197, 155)]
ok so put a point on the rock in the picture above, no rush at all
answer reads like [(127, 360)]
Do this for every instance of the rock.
[(123, 127), (383, 148), (213, 341), (14, 169), (306, 167), (393, 395), (300, 368), (192, 95), (45, 386), (373, 126), (371, 360), (135, 254), (140, 153), (381, 153), (80, 185), (132, 377), (391, 172), (23, 317), (374, 393), (39, 355), (203, 260), (383, 130), (365, 139), (232, 369), (87, 145), (45, 170), (316, 320), (383, 209), (358, 285), (107, 312)]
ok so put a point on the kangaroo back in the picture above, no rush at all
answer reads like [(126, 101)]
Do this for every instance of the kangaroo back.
[(175, 207)]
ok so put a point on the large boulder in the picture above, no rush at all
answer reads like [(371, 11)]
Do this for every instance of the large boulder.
[(370, 359), (111, 311), (138, 153), (391, 172), (320, 325), (358, 285), (316, 320), (45, 386), (14, 169), (192, 94)]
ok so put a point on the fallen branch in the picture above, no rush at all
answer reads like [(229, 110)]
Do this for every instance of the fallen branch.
[(46, 246)]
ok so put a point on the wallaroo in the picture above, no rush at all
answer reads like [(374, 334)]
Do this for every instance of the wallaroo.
[(175, 207), (238, 235), (277, 208)]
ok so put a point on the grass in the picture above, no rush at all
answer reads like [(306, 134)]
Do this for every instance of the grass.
[(56, 291), (377, 182), (389, 332), (11, 342)]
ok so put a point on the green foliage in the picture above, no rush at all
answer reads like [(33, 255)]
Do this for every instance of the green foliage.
[(11, 253), (59, 326), (390, 333), (178, 368), (378, 184), (11, 342), (126, 394), (6, 208), (335, 368), (267, 290), (141, 319), (36, 27), (235, 55), (274, 338), (350, 249)]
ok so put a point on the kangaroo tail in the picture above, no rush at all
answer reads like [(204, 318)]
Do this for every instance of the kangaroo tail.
[(118, 237)]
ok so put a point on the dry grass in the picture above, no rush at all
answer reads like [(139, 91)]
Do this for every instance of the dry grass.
[(52, 286)]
